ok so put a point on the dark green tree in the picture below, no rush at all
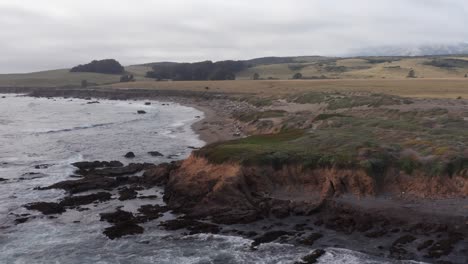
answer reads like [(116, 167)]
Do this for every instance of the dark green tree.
[(256, 76)]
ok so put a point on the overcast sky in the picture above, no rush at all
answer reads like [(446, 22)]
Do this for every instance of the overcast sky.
[(49, 34)]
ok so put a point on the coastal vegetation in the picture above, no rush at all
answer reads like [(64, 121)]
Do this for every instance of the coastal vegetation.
[(374, 139)]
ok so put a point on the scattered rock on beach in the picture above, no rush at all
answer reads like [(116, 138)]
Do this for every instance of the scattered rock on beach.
[(2, 179), (129, 155), (148, 103), (141, 112)]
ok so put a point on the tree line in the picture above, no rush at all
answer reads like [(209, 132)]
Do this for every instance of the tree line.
[(205, 70), (108, 66)]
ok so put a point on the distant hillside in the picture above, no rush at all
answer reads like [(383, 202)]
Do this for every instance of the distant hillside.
[(283, 68), (420, 50)]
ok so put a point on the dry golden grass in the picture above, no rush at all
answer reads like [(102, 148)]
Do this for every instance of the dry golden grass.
[(422, 88), (356, 68)]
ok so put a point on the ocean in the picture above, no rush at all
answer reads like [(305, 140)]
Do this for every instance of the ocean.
[(40, 138)]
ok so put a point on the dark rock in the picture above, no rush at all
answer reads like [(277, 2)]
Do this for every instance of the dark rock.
[(129, 155), (445, 246), (86, 199), (425, 244), (404, 240), (377, 233), (87, 184), (21, 220), (310, 239), (148, 103), (147, 197), (123, 229), (342, 223), (118, 216), (141, 112), (2, 179), (300, 227), (42, 166), (312, 257), (280, 209), (268, 237), (195, 227), (87, 165), (93, 102), (151, 212), (397, 251), (31, 176), (127, 170), (155, 154), (318, 222), (159, 175), (127, 194), (46, 208)]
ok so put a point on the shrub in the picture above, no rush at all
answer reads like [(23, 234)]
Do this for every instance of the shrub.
[(297, 76)]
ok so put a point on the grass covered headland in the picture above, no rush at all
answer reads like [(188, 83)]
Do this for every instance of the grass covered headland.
[(431, 140)]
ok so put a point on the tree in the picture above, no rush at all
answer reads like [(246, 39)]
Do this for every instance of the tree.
[(297, 76), (411, 74), (256, 76), (466, 75), (84, 83)]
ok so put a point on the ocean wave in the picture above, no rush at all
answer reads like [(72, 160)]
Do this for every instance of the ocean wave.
[(53, 131)]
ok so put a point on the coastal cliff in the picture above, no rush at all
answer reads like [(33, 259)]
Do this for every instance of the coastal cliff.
[(231, 192)]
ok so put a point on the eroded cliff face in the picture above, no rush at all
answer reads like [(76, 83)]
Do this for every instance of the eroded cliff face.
[(233, 193)]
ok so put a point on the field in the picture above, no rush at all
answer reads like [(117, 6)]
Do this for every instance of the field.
[(423, 88), (64, 78), (358, 68)]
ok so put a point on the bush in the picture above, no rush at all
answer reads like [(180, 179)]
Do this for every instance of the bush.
[(297, 76)]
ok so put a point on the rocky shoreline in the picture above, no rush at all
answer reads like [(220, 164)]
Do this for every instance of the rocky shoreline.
[(224, 205), (330, 224)]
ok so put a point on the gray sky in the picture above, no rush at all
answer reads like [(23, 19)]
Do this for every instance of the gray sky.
[(40, 34)]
